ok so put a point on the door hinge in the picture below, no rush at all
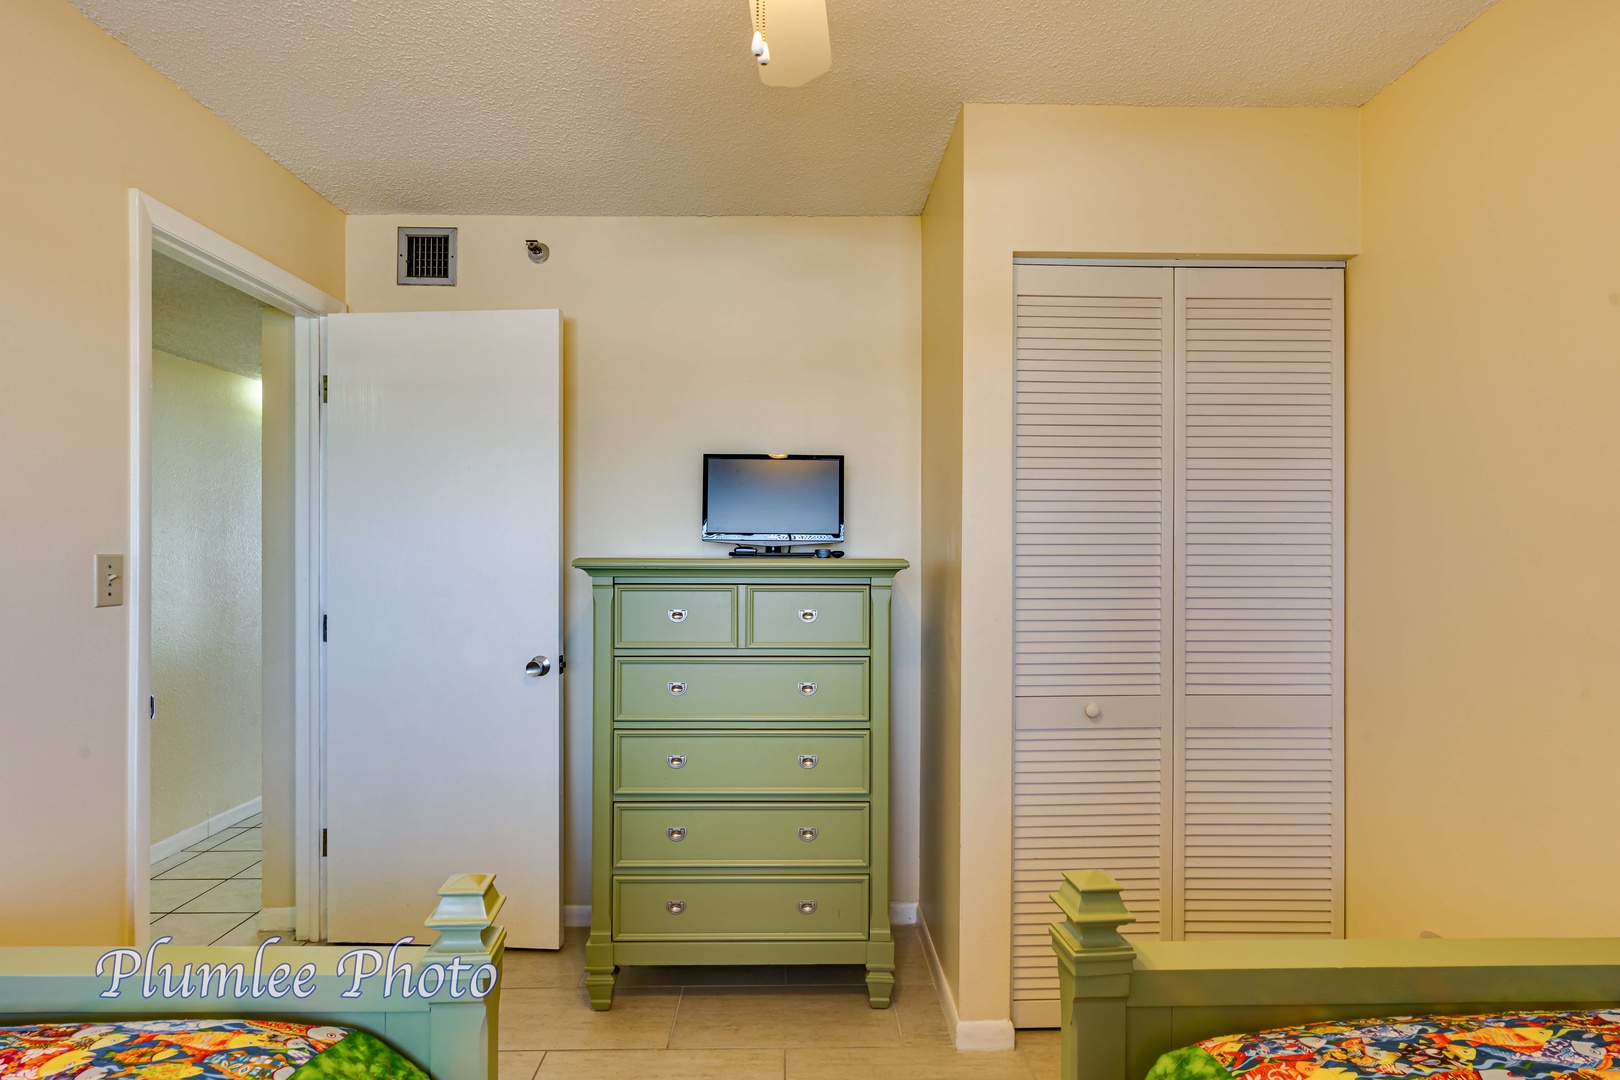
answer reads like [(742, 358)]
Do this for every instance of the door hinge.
[(323, 843), (324, 392), (323, 627)]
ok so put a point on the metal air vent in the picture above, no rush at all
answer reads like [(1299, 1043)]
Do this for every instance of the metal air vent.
[(427, 256)]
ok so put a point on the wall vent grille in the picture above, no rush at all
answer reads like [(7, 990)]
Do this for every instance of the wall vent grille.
[(427, 256)]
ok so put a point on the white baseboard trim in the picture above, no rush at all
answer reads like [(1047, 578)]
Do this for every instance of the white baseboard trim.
[(965, 1034), (202, 831), (986, 1035), (278, 920), (576, 914)]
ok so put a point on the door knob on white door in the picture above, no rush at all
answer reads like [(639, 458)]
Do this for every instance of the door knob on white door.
[(537, 667)]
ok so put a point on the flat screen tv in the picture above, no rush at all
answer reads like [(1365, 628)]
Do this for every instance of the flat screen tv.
[(773, 500)]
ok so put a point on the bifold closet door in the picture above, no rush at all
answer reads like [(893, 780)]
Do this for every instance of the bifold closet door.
[(1259, 609), (1093, 745)]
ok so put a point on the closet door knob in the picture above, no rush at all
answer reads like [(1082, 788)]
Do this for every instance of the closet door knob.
[(807, 761), (677, 614), (808, 834), (1093, 710), (537, 667), (677, 688), (675, 907), (807, 907), (677, 834), (676, 761)]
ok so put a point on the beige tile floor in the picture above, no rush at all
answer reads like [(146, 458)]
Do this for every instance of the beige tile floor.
[(210, 893), (739, 1024), (697, 1023)]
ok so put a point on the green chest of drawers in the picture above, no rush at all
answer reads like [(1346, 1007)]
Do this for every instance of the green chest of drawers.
[(741, 765)]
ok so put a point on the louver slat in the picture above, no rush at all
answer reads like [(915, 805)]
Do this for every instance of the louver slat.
[(1091, 596), (1258, 836)]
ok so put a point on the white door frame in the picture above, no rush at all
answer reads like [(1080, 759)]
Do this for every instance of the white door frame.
[(156, 227)]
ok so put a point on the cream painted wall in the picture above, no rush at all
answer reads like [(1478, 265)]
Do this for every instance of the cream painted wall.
[(86, 120), (1088, 180), (940, 785), (205, 592), (1484, 457), (278, 356), (683, 335)]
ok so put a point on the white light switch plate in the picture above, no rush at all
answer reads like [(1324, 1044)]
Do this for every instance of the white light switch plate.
[(109, 581)]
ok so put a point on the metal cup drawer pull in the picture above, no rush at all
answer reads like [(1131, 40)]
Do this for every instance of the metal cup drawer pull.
[(807, 907), (808, 614), (676, 761), (807, 688), (677, 614), (807, 761), (676, 834), (675, 907), (677, 688), (808, 834)]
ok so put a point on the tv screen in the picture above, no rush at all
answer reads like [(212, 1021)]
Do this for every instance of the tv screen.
[(775, 500)]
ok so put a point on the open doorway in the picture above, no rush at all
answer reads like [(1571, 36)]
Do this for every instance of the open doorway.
[(220, 586), (223, 588)]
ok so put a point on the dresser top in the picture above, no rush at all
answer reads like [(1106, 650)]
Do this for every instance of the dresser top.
[(755, 563)]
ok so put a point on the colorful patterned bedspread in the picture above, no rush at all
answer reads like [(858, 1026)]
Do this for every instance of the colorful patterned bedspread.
[(204, 1049), (1506, 1046)]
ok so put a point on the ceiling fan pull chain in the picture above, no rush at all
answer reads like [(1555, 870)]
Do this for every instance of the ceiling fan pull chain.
[(759, 47)]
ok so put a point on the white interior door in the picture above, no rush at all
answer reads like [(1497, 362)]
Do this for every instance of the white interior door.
[(443, 565)]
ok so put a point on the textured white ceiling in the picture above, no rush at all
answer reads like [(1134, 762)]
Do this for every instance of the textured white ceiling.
[(654, 107), (201, 319)]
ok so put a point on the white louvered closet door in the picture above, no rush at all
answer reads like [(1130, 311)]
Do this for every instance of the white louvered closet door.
[(1094, 427), (1259, 603)]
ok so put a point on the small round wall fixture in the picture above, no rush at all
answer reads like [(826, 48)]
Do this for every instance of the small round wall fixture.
[(538, 252)]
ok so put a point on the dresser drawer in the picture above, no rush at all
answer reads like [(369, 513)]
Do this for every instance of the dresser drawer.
[(828, 835), (745, 763), (821, 618), (741, 689), (689, 617), (826, 908)]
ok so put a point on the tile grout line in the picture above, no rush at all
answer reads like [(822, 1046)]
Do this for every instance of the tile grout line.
[(669, 1041), (233, 929)]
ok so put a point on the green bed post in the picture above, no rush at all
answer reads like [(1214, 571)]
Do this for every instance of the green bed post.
[(1094, 975), (463, 1035)]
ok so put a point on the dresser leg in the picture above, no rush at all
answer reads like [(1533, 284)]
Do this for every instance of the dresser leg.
[(880, 973), (599, 985), (599, 974), (879, 987)]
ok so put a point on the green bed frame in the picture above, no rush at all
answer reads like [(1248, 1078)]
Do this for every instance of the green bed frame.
[(1124, 1004), (453, 1039)]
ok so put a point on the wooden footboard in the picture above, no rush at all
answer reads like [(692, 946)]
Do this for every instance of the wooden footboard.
[(449, 1029), (1123, 1005)]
